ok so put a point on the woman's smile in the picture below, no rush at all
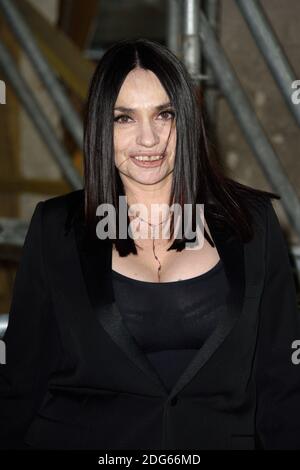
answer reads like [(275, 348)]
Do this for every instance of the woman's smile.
[(152, 161)]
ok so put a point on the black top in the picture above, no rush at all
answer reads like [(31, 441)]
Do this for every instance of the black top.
[(171, 320)]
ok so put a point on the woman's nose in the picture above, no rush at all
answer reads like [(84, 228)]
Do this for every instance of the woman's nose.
[(147, 134)]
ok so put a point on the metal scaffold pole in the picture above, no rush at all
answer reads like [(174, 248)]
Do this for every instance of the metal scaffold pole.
[(191, 50), (271, 49), (211, 9), (247, 120), (46, 131), (174, 29), (26, 40)]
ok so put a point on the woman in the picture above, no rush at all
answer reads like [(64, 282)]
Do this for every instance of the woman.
[(121, 342)]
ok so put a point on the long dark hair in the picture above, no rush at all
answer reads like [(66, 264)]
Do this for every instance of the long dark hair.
[(197, 175)]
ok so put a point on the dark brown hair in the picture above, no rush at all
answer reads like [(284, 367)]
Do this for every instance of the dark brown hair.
[(197, 176)]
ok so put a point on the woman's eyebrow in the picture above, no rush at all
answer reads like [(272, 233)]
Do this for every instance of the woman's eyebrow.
[(129, 110)]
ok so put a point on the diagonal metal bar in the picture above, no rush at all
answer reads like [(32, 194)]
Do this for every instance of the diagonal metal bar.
[(271, 49), (26, 39), (32, 107), (250, 125)]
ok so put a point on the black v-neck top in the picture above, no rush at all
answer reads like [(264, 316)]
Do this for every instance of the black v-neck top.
[(171, 320)]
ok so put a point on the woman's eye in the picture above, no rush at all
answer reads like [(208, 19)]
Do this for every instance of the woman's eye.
[(120, 118), (170, 113), (123, 118)]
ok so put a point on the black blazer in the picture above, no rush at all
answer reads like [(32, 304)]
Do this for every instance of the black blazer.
[(75, 378)]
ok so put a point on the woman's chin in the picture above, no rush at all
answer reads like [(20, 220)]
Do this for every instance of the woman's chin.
[(150, 178)]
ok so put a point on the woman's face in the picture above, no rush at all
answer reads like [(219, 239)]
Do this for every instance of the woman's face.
[(144, 125)]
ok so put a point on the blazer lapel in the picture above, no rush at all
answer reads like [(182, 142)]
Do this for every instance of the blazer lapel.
[(232, 253), (96, 269), (95, 263)]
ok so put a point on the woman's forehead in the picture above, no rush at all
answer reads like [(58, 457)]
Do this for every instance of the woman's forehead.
[(142, 87)]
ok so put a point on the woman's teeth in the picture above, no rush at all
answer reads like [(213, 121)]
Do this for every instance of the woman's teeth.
[(149, 159)]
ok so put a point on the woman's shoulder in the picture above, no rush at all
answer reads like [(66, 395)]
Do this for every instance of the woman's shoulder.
[(255, 209), (61, 210), (260, 207), (64, 201)]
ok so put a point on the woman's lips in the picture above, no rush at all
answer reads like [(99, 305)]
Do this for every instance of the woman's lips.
[(149, 164)]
